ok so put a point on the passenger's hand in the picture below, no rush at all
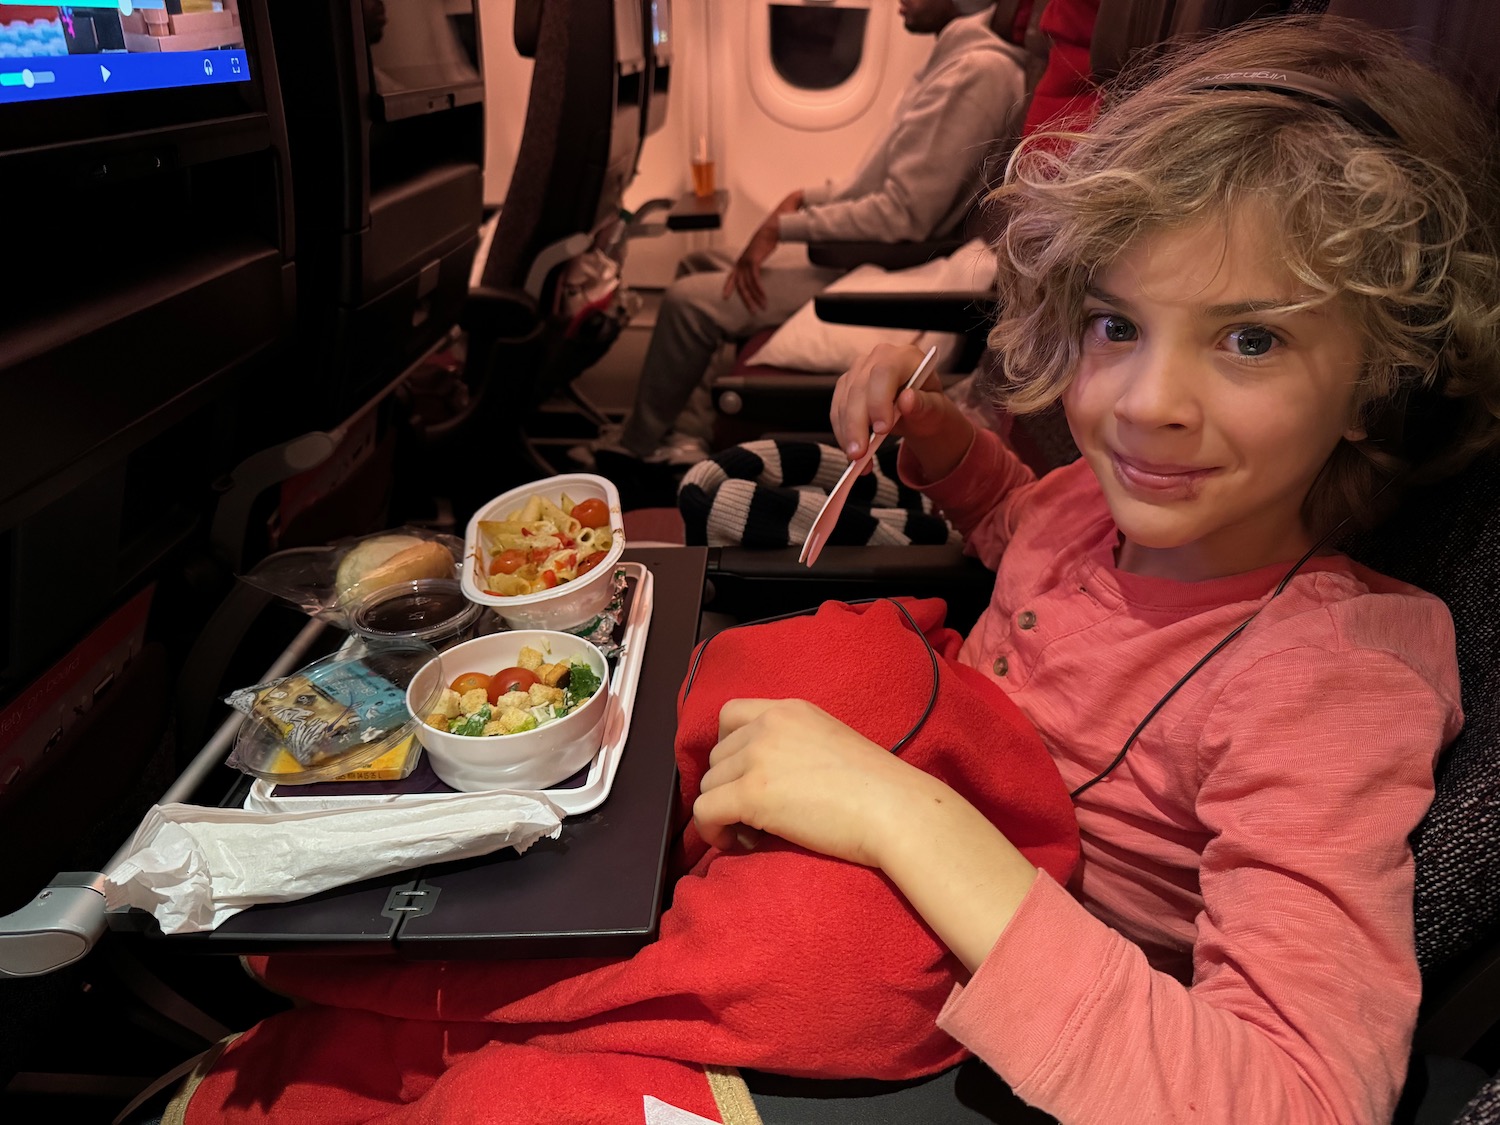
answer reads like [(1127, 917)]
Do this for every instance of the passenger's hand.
[(869, 394), (787, 767), (744, 276)]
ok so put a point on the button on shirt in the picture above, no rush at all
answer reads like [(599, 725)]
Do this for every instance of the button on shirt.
[(1285, 776)]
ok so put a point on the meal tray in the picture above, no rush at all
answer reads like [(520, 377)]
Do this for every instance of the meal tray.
[(580, 793)]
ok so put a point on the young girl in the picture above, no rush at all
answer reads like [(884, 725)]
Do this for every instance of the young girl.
[(1264, 288)]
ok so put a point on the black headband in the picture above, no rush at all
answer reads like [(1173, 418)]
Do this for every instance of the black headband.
[(1350, 107)]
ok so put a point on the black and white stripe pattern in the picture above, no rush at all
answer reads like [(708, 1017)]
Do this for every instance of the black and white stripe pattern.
[(767, 494)]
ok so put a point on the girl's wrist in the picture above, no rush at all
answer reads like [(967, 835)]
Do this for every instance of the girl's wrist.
[(957, 870), (939, 454), (904, 819)]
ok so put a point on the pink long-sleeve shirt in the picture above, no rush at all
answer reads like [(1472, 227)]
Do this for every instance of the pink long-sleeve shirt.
[(1238, 945)]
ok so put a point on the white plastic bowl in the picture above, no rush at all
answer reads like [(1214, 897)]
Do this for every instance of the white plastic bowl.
[(570, 604), (531, 759)]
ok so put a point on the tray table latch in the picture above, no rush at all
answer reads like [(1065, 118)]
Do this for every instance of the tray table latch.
[(413, 900)]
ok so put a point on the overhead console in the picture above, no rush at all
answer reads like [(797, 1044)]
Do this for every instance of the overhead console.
[(149, 266)]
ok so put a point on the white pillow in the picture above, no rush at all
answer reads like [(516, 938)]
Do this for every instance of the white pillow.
[(805, 343)]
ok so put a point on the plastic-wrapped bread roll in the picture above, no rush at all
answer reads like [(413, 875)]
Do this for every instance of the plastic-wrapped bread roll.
[(388, 559)]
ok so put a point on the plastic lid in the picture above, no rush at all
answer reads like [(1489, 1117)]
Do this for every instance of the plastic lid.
[(426, 609), (336, 715)]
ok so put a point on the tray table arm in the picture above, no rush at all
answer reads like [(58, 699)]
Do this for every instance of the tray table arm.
[(67, 917)]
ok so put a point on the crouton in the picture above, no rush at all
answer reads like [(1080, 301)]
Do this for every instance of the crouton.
[(495, 726), (513, 719), (447, 704), (530, 659), (518, 699), (439, 720), (541, 693), (553, 674), (472, 701)]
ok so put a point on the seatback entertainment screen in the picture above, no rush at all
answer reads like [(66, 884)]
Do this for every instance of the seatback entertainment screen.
[(105, 46)]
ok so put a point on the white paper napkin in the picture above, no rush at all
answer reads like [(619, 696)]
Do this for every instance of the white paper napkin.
[(193, 867)]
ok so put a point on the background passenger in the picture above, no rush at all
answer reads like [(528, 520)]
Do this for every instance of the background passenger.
[(918, 181)]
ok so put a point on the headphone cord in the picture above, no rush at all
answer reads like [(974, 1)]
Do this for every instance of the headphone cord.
[(931, 656), (1209, 655)]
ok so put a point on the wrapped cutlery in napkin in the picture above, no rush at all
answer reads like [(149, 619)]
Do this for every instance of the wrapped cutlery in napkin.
[(193, 867)]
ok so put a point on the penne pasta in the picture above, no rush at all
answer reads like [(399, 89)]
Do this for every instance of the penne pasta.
[(542, 545)]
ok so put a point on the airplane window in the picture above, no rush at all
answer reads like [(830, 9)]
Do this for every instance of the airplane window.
[(816, 48)]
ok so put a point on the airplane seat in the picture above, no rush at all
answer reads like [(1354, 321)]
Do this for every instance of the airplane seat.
[(160, 292), (752, 397), (384, 109), (550, 302)]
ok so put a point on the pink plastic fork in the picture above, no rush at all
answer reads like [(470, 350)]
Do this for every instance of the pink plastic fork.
[(822, 526)]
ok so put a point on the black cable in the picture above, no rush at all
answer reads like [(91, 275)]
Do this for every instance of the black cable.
[(931, 656), (1209, 655)]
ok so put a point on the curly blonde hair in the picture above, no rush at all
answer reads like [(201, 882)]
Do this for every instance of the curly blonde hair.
[(1402, 234)]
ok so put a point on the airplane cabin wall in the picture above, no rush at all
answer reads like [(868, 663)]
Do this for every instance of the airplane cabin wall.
[(507, 84), (768, 137)]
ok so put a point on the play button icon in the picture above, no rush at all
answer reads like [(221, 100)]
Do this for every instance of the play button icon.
[(104, 73)]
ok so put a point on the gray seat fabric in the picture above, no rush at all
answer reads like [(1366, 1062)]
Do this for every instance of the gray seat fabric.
[(1485, 1107), (967, 1094), (1446, 539)]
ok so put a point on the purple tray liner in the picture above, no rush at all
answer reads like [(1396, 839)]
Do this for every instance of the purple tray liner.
[(422, 779)]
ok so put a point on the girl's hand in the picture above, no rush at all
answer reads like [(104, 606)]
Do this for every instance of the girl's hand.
[(866, 398), (787, 767)]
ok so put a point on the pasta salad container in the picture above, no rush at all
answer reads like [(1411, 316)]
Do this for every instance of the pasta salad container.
[(543, 556)]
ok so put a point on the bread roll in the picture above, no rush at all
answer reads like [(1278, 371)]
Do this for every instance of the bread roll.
[(368, 554), (411, 559)]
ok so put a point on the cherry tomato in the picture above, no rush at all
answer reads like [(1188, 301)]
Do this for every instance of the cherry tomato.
[(591, 513), (589, 563), (549, 579), (510, 679), (471, 680), (508, 562)]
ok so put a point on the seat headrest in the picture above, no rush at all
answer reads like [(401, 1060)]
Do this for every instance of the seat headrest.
[(1456, 38), (527, 27), (1003, 19), (1124, 27)]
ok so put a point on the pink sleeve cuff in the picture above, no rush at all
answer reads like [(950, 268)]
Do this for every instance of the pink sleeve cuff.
[(1023, 1006), (972, 482)]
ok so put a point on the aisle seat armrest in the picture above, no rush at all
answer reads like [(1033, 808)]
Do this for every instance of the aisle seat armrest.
[(886, 255), (500, 312), (751, 584), (963, 311)]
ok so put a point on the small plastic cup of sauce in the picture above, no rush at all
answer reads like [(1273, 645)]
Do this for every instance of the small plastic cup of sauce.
[(433, 610)]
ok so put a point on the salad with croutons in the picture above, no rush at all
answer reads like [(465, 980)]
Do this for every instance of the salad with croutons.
[(515, 699)]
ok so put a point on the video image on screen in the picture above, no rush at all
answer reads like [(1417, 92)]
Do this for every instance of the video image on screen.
[(132, 29), (31, 31)]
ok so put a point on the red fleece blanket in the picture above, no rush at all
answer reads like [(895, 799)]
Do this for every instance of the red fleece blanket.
[(776, 959)]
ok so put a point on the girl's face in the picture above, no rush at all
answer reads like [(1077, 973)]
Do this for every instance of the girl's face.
[(1205, 416)]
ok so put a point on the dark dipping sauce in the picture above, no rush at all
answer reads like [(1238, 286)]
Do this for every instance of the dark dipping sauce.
[(431, 609), (412, 610)]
